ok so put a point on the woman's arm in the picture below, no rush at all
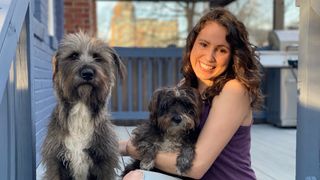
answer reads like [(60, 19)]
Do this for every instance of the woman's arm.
[(229, 110), (123, 147), (126, 148)]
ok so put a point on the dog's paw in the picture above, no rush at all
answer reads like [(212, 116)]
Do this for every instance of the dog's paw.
[(147, 165), (183, 164), (178, 171)]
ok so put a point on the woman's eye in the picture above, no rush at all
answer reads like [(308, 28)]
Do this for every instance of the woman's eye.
[(223, 51), (74, 56), (203, 44)]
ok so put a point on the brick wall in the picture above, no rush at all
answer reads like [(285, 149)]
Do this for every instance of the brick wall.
[(80, 15)]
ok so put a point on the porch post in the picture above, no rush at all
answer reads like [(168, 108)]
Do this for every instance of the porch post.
[(308, 126), (278, 14)]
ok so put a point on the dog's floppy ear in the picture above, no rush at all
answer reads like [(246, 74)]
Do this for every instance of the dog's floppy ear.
[(119, 65), (54, 62), (195, 95), (154, 104)]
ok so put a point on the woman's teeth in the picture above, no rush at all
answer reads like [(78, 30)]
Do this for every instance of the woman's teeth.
[(206, 67)]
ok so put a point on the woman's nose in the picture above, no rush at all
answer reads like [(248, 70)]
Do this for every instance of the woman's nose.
[(212, 55)]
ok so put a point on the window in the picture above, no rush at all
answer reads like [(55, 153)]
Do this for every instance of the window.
[(51, 19)]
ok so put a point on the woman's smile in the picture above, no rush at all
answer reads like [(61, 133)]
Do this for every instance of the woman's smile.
[(206, 67)]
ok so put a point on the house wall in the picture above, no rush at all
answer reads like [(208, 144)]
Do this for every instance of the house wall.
[(26, 96), (43, 47)]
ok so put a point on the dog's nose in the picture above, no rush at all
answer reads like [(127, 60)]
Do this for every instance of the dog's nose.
[(87, 74), (176, 119)]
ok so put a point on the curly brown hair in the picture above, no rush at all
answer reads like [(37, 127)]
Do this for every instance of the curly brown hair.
[(244, 63)]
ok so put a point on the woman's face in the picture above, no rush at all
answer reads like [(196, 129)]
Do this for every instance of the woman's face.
[(210, 54)]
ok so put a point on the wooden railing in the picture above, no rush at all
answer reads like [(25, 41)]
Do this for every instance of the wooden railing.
[(12, 17), (17, 152), (147, 70), (151, 68)]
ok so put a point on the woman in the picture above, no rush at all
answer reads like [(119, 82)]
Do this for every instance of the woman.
[(221, 63)]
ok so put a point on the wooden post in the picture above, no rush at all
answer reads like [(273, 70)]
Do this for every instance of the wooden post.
[(308, 127), (278, 14)]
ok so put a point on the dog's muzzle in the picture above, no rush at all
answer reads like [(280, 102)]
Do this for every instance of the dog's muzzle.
[(87, 74)]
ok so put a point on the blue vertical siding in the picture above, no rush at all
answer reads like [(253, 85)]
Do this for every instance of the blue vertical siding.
[(59, 20), (43, 48)]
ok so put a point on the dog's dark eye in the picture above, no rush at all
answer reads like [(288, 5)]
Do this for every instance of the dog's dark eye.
[(162, 109), (192, 113), (97, 57), (74, 56)]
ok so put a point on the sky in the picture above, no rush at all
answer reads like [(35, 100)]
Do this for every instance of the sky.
[(104, 13), (4, 6)]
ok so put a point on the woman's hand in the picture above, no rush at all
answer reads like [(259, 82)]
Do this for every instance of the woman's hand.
[(126, 148), (134, 175), (132, 150), (123, 148)]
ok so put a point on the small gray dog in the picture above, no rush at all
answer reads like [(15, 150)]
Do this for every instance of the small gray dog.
[(172, 127), (80, 143)]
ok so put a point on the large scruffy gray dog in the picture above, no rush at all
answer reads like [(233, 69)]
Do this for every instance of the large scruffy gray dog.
[(80, 143), (172, 127)]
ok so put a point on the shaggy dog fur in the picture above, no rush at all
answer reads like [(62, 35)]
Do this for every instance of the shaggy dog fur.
[(80, 143), (174, 117)]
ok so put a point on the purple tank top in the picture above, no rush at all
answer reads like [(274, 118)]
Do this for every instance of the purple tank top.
[(234, 162)]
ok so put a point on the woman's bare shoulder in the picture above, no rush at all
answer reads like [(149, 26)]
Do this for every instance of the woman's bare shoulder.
[(234, 86), (235, 98)]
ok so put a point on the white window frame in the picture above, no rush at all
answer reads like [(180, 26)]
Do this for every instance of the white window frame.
[(51, 18)]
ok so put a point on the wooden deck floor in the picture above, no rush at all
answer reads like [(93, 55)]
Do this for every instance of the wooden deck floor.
[(273, 151)]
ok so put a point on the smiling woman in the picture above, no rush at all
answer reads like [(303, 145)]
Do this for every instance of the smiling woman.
[(221, 64), (210, 54)]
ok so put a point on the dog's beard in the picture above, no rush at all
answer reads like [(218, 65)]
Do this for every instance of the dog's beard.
[(85, 90)]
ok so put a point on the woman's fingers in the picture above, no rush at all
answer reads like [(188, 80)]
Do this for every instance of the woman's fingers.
[(134, 175)]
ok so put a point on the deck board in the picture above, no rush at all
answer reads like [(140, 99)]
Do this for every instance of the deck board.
[(273, 151)]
